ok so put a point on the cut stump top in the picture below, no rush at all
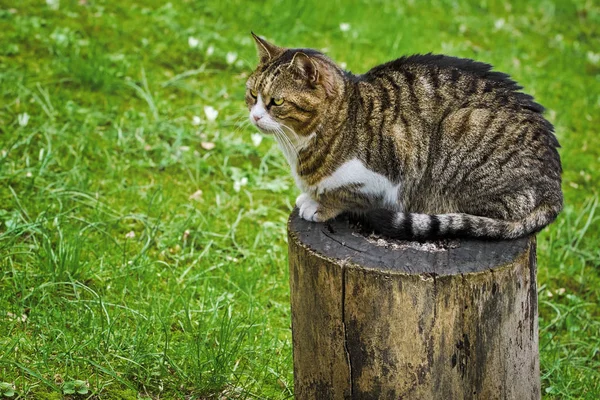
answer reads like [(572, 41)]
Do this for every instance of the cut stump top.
[(340, 240)]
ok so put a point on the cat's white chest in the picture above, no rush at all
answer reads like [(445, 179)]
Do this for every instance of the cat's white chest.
[(354, 172)]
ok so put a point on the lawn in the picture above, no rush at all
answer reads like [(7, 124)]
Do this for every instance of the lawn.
[(143, 249)]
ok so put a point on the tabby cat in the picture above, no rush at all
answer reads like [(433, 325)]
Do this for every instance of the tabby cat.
[(425, 146)]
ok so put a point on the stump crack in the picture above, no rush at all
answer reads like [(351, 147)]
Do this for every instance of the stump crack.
[(340, 242), (348, 359)]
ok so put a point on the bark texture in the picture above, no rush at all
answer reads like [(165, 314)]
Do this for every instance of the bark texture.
[(376, 322)]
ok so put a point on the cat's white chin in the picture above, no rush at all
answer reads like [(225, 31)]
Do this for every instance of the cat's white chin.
[(266, 130), (269, 128)]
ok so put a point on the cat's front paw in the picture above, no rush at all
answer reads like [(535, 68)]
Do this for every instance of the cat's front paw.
[(309, 209), (303, 198)]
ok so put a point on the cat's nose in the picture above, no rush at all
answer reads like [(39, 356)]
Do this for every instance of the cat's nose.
[(256, 117)]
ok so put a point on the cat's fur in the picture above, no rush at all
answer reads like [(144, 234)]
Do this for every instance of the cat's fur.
[(424, 146)]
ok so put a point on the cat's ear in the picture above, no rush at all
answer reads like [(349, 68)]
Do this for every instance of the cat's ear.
[(266, 51), (316, 71), (307, 66)]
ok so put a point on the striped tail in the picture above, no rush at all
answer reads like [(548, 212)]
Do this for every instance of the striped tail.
[(399, 225)]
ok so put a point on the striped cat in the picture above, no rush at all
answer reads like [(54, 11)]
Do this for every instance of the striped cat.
[(423, 147)]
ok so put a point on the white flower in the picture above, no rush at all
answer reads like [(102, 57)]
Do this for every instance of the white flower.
[(210, 50), (193, 42), (196, 120), (60, 37), (343, 65), (14, 317), (53, 4), (592, 57), (130, 235), (197, 195), (211, 113), (499, 23), (256, 139), (237, 185), (23, 119), (344, 27), (231, 57)]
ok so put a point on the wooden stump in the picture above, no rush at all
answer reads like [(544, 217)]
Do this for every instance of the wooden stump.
[(403, 320)]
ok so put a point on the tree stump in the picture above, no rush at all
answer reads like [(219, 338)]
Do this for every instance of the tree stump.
[(380, 319)]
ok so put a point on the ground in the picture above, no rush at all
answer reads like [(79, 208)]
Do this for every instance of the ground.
[(142, 221)]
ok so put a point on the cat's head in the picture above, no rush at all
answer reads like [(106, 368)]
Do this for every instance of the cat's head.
[(291, 89)]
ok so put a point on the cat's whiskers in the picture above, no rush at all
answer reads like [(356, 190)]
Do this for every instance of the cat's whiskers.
[(300, 142), (241, 122), (292, 145), (286, 145), (283, 145)]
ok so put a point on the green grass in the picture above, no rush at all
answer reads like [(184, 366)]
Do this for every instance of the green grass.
[(112, 273)]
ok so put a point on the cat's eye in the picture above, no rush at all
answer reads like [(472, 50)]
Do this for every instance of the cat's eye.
[(278, 102), (253, 93)]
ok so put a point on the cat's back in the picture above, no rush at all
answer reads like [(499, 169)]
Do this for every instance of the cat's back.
[(435, 79)]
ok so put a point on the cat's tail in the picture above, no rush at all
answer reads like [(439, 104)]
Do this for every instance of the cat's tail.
[(399, 225)]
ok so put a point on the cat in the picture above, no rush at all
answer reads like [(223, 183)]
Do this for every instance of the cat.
[(423, 147)]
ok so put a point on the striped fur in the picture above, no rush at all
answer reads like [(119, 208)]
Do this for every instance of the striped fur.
[(468, 153), (399, 225)]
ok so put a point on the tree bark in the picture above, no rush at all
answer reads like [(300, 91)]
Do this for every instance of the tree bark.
[(407, 320)]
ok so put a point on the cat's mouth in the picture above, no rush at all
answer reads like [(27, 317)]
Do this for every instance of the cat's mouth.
[(265, 130), (267, 127)]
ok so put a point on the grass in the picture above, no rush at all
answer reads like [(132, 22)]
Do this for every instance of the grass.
[(142, 245)]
